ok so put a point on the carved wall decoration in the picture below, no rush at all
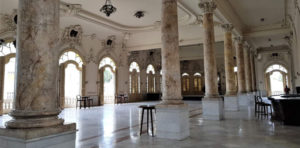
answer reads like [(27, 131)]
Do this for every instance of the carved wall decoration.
[(91, 57), (73, 34), (8, 22), (109, 43)]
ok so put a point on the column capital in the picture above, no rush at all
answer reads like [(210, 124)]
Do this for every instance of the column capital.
[(227, 27), (246, 46), (239, 39), (207, 6)]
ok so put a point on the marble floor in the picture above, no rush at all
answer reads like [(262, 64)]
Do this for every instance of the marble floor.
[(118, 126)]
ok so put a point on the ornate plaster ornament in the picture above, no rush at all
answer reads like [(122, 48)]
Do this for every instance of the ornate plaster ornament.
[(8, 22), (70, 9), (207, 6), (72, 34), (227, 27), (91, 57), (109, 43)]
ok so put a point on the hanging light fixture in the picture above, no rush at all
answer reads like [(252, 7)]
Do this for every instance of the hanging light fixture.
[(108, 8)]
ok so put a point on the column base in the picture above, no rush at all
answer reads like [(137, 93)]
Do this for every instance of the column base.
[(213, 108), (246, 99), (231, 103), (172, 121), (50, 137)]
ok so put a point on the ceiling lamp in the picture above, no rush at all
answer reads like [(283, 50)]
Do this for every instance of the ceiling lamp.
[(139, 14), (108, 8)]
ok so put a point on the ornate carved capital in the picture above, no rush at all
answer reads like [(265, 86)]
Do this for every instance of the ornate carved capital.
[(239, 40), (207, 6), (227, 27)]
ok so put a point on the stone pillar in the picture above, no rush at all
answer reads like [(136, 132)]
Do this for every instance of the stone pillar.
[(172, 118), (36, 108), (212, 103), (2, 71), (230, 98), (252, 71), (248, 75), (240, 66)]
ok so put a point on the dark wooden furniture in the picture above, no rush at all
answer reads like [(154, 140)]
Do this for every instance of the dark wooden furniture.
[(148, 108), (121, 98), (80, 101), (87, 101), (286, 109), (153, 96), (261, 106)]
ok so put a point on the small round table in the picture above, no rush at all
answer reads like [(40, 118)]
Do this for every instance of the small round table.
[(147, 108)]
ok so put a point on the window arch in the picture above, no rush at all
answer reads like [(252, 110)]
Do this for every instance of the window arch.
[(71, 56), (276, 67), (7, 48), (150, 79), (134, 78), (107, 61)]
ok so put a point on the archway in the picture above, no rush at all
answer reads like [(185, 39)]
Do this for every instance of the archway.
[(107, 76), (70, 78), (7, 76), (276, 77), (197, 84), (150, 79)]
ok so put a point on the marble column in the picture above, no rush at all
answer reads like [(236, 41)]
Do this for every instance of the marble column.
[(36, 106), (242, 93), (248, 75), (172, 118), (212, 104), (2, 71), (240, 66), (230, 98), (252, 71)]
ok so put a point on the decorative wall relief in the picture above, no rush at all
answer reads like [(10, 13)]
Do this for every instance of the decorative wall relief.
[(109, 43), (73, 35), (91, 57), (9, 22)]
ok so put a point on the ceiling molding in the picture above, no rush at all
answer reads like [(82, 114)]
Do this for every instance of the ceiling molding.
[(269, 30), (226, 13), (77, 11), (275, 49)]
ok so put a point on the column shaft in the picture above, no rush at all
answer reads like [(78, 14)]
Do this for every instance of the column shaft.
[(35, 103), (241, 66), (229, 61), (171, 83), (2, 71), (247, 69)]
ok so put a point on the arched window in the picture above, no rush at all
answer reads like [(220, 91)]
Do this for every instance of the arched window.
[(276, 78), (185, 82), (70, 78), (197, 82), (108, 79), (7, 64), (150, 79), (134, 78), (107, 61)]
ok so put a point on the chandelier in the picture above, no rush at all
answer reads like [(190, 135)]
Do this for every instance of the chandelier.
[(108, 8)]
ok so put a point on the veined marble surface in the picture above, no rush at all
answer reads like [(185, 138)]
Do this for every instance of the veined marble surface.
[(118, 126)]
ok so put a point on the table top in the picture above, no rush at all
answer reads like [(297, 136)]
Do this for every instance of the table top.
[(285, 97), (147, 106)]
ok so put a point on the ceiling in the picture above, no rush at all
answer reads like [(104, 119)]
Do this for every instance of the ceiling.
[(145, 32)]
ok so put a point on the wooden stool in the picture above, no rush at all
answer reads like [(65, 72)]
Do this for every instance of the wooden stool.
[(147, 108)]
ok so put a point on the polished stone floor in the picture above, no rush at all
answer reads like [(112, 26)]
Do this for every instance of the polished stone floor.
[(118, 126)]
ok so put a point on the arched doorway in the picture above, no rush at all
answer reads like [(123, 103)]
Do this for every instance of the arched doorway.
[(276, 78), (150, 79), (7, 73), (197, 84), (185, 79), (134, 78), (107, 77), (70, 78)]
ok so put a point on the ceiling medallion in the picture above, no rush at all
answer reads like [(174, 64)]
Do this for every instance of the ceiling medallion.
[(108, 8), (139, 14)]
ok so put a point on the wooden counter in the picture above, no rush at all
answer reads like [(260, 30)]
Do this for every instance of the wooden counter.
[(286, 108)]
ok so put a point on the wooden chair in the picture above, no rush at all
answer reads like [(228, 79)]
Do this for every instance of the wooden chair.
[(80, 100), (263, 106)]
